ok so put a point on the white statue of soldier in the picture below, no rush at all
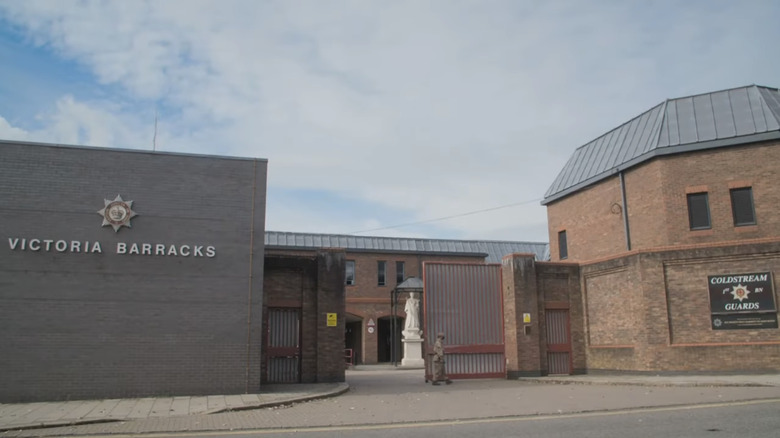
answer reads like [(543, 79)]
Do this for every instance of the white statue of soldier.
[(412, 309)]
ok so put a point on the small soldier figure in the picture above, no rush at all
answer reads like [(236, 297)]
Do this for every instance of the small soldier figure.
[(438, 362)]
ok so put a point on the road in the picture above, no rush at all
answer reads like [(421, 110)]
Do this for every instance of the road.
[(754, 419), (396, 403)]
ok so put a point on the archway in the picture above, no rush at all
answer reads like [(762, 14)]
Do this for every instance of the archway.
[(386, 351), (353, 339)]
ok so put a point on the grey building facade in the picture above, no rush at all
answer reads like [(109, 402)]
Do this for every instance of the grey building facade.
[(129, 273)]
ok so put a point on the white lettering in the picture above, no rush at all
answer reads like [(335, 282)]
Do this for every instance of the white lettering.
[(742, 306), (739, 279), (86, 246)]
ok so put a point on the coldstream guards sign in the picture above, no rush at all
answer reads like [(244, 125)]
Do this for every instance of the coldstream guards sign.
[(742, 301)]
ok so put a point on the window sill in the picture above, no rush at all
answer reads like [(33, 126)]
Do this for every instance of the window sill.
[(746, 228), (704, 232)]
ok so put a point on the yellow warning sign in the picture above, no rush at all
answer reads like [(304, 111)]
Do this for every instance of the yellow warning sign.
[(332, 320)]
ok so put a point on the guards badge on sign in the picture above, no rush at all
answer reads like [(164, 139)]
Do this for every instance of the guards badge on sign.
[(117, 213)]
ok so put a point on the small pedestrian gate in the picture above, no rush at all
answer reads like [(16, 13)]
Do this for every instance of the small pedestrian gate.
[(465, 302), (558, 341), (283, 348)]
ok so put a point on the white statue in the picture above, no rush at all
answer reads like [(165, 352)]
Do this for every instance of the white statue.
[(412, 334), (412, 310)]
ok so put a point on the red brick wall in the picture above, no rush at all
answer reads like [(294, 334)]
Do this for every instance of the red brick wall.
[(716, 171), (668, 326), (315, 285), (558, 286), (592, 229), (369, 301), (657, 203), (534, 287)]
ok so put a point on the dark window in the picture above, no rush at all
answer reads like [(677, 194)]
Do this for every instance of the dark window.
[(699, 211), (381, 271), (399, 272), (563, 248), (350, 277), (742, 206)]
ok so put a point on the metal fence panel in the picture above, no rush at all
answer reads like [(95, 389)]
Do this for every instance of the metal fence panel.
[(464, 301), (284, 351)]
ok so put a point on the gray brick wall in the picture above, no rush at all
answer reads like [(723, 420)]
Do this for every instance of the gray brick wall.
[(82, 325)]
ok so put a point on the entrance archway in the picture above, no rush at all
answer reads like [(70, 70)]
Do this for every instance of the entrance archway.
[(386, 351), (353, 339)]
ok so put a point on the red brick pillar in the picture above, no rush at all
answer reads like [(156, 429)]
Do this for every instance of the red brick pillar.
[(521, 339), (331, 300)]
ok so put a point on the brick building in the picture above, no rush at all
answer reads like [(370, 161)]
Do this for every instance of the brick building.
[(375, 265), (672, 219)]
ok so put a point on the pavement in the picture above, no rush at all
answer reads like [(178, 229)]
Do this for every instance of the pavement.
[(19, 416), (380, 383)]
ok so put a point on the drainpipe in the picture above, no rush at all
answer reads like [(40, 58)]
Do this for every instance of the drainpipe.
[(625, 211)]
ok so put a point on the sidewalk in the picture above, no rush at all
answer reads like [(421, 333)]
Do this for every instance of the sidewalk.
[(53, 414), (67, 413), (663, 380)]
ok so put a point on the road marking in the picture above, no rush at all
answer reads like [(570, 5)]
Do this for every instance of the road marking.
[(437, 423)]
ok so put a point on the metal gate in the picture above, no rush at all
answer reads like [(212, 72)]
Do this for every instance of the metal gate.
[(558, 341), (464, 301), (283, 350)]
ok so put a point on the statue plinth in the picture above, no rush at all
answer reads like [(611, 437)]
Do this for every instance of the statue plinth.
[(413, 351), (412, 333)]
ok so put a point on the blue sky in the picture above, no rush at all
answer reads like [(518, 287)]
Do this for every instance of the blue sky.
[(373, 114)]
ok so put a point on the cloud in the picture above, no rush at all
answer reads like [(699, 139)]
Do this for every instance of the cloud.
[(428, 109), (9, 132)]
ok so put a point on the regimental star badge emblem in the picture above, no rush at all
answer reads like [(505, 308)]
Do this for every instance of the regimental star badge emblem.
[(740, 292), (117, 213)]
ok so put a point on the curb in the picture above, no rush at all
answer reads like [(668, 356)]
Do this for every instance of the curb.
[(646, 383), (341, 389)]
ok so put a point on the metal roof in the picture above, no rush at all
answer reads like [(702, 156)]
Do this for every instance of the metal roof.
[(495, 250), (705, 121)]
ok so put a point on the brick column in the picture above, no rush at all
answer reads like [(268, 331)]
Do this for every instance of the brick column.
[(521, 340), (330, 300)]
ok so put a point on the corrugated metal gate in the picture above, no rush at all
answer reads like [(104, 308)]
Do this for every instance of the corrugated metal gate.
[(465, 302), (283, 348), (558, 341)]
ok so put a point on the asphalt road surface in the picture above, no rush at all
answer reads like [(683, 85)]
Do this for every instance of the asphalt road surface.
[(754, 419), (399, 403)]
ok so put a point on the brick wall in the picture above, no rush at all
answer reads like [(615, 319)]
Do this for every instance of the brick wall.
[(592, 228), (369, 301), (82, 325), (330, 299), (536, 288), (657, 203), (366, 300), (670, 325), (313, 283), (558, 286)]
